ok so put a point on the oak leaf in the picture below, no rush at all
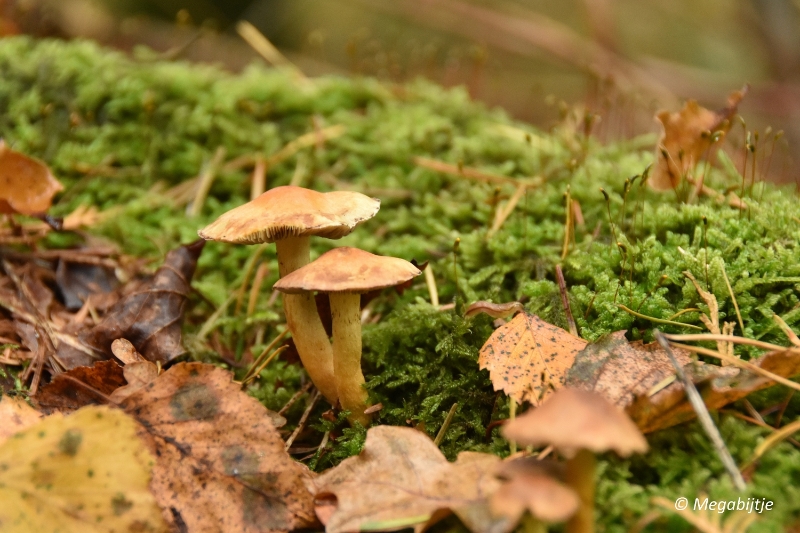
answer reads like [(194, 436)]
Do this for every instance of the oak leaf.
[(622, 370), (151, 317), (528, 358), (687, 137), (26, 184), (402, 480), (84, 473), (221, 464)]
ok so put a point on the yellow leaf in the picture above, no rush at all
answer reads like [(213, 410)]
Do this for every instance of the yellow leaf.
[(85, 473)]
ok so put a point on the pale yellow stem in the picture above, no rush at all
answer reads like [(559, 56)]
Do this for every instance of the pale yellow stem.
[(346, 314), (580, 478), (303, 321)]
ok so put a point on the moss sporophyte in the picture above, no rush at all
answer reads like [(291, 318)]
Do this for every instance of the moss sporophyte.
[(110, 117)]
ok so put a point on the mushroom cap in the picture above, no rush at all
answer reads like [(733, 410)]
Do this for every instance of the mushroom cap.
[(290, 211), (576, 419), (348, 270)]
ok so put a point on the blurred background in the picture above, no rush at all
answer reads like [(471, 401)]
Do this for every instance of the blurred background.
[(616, 61)]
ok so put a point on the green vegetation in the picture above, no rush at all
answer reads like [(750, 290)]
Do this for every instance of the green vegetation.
[(120, 132)]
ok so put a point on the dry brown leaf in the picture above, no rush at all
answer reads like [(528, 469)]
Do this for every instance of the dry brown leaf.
[(221, 464), (687, 138), (64, 395), (494, 310), (542, 496), (26, 184), (16, 415), (622, 370), (528, 358), (138, 375), (719, 386), (151, 317), (402, 480)]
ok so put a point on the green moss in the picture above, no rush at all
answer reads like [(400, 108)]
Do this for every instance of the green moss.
[(120, 131)]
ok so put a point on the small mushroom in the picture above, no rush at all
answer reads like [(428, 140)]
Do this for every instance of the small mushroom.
[(578, 424), (344, 274), (289, 216)]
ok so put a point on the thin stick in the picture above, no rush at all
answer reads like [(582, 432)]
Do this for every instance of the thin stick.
[(440, 436), (568, 225), (703, 416), (661, 280), (255, 373), (771, 440), (657, 320), (474, 174), (784, 405), (456, 245), (512, 414), (735, 361), (726, 338), (294, 398), (756, 422), (306, 140), (261, 273), (274, 342), (206, 179), (301, 424), (505, 212), (259, 181), (786, 329), (430, 281), (247, 273), (733, 298), (267, 50), (562, 289)]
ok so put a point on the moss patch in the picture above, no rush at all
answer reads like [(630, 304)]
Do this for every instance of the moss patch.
[(120, 132)]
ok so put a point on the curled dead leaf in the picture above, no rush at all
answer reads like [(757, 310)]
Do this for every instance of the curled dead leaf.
[(493, 310), (687, 137), (80, 386), (528, 358), (26, 184), (150, 318), (402, 480)]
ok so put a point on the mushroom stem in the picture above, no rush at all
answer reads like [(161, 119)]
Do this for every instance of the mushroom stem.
[(303, 320), (580, 477), (346, 314)]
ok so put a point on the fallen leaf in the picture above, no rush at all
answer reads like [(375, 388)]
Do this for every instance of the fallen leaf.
[(64, 395), (719, 386), (125, 351), (528, 358), (16, 415), (151, 317), (221, 464), (26, 184), (77, 281), (622, 370), (494, 310), (402, 480), (542, 496), (687, 137), (87, 472)]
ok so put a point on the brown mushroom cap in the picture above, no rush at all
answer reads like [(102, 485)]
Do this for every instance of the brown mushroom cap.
[(575, 419), (290, 211), (348, 270)]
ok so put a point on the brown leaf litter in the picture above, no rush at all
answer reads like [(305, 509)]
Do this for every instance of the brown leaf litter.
[(402, 480), (26, 184)]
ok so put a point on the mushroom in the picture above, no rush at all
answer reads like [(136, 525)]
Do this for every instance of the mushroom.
[(344, 274), (578, 423), (289, 216)]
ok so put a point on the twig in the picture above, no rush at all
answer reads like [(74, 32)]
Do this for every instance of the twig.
[(259, 181), (505, 212), (294, 398), (657, 320), (512, 414), (301, 424), (306, 140), (755, 422), (440, 436), (267, 50), (786, 329), (274, 342), (247, 273), (703, 416), (261, 273), (771, 440), (562, 288), (726, 338), (735, 361), (205, 181), (254, 373), (430, 281), (733, 298), (474, 174)]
